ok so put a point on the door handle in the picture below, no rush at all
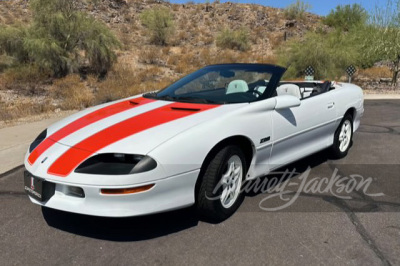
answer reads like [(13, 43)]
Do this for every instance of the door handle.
[(331, 105)]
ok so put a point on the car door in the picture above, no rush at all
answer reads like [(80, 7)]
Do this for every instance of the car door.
[(302, 130)]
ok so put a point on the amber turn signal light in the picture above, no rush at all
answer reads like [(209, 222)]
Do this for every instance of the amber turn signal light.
[(122, 191)]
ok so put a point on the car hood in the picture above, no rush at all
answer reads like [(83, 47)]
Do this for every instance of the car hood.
[(135, 126)]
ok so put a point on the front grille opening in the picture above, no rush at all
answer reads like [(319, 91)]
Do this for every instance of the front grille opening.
[(75, 192)]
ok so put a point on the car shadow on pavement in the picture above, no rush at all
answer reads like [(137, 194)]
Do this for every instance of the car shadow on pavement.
[(122, 229), (299, 167)]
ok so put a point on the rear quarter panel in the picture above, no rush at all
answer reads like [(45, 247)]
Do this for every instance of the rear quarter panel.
[(347, 96)]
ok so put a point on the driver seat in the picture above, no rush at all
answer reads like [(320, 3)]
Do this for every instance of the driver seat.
[(237, 86)]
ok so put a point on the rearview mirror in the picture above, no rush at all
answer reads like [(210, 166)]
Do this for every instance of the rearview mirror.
[(286, 101)]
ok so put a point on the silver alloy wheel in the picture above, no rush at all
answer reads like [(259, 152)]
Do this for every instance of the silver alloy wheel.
[(231, 181), (345, 136)]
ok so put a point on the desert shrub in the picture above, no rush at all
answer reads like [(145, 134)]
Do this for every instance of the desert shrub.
[(296, 10), (121, 82), (376, 73), (328, 53), (5, 62), (346, 17), (381, 40), (12, 42), (72, 92), (26, 78), (234, 39), (150, 55), (61, 39), (160, 24)]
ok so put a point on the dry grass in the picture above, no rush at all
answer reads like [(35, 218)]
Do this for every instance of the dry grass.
[(73, 93), (121, 82), (27, 79), (13, 110), (275, 40), (150, 55), (376, 73)]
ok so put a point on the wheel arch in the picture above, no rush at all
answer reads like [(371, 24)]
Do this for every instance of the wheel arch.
[(245, 144), (351, 111)]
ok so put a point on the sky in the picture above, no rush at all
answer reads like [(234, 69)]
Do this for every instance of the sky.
[(320, 7)]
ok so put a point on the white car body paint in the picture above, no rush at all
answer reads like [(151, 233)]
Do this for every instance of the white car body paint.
[(278, 137)]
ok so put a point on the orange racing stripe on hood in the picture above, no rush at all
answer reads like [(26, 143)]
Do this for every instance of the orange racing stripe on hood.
[(84, 121), (73, 157)]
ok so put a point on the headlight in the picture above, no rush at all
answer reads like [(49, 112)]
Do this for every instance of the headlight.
[(116, 164), (38, 140)]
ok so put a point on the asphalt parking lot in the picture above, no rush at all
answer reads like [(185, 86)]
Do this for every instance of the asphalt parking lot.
[(316, 229)]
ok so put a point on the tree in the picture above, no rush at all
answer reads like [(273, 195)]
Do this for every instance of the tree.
[(61, 39), (296, 10), (160, 23), (329, 54), (346, 17), (383, 37)]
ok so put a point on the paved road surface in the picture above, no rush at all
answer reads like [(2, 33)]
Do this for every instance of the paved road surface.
[(316, 229)]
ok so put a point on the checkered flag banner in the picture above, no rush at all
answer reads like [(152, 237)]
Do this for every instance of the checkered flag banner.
[(351, 70), (309, 71)]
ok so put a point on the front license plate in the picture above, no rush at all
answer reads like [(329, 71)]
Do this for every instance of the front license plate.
[(38, 188)]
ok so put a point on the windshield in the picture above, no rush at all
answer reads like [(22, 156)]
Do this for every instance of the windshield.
[(224, 84)]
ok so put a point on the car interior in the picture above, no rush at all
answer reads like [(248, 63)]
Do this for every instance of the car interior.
[(301, 89), (304, 90), (240, 91)]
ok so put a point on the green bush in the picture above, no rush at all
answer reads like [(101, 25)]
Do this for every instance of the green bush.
[(12, 42), (160, 23), (238, 39), (61, 39), (346, 17), (382, 40), (328, 53), (297, 10)]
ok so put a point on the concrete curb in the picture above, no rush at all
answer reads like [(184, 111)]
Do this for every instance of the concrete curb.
[(381, 96), (15, 141)]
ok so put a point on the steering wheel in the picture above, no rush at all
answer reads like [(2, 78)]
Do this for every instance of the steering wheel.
[(255, 93)]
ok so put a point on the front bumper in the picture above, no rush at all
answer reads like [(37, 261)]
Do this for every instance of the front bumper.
[(170, 193)]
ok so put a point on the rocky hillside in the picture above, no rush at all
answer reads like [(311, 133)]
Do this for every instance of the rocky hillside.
[(142, 66), (196, 25)]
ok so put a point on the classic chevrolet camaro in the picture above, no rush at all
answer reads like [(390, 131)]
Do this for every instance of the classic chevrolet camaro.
[(192, 143)]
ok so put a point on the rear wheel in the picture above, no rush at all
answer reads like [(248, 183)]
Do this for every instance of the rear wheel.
[(220, 194), (343, 137)]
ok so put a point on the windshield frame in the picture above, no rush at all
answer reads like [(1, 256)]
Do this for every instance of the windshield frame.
[(276, 73)]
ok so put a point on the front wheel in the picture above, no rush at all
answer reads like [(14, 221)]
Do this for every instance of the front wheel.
[(220, 194), (343, 138)]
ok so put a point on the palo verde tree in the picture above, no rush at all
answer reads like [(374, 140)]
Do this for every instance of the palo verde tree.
[(61, 39), (329, 53), (346, 17)]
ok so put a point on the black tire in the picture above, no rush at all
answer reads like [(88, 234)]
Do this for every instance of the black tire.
[(208, 201), (336, 152)]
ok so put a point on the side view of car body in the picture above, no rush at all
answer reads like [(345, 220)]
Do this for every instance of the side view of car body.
[(194, 142)]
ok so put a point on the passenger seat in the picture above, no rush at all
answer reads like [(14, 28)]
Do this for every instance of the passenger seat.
[(289, 89)]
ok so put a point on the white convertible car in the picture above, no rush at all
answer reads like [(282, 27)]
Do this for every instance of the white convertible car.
[(192, 143)]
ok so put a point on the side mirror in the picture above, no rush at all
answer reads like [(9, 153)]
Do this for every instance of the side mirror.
[(286, 101)]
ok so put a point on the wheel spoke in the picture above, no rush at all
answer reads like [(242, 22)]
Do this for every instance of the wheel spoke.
[(224, 195), (231, 182)]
